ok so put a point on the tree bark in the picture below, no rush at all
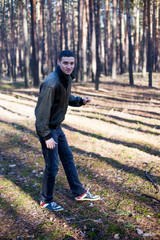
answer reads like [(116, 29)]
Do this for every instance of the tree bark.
[(39, 36), (26, 45), (121, 35), (35, 67), (2, 40), (7, 45), (97, 29), (58, 34), (114, 40), (84, 40), (79, 47), (13, 48), (43, 57), (144, 69), (73, 28), (65, 25), (137, 37), (155, 35), (106, 37), (130, 44), (64, 32), (157, 38), (149, 44), (92, 40), (20, 39), (49, 37)]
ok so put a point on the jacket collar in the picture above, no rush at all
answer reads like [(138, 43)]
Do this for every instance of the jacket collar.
[(64, 78)]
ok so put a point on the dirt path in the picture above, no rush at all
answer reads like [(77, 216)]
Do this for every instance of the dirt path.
[(114, 140)]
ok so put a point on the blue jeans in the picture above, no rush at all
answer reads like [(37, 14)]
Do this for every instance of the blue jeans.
[(51, 157)]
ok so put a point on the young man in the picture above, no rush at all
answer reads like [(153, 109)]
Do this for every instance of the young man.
[(54, 98)]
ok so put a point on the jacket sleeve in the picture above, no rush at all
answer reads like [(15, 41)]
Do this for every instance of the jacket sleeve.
[(75, 101), (42, 111)]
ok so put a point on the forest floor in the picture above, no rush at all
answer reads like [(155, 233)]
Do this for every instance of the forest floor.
[(114, 140)]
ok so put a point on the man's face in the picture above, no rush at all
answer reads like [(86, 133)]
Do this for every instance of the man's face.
[(66, 65)]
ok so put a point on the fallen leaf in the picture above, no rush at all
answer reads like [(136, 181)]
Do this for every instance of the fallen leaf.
[(139, 231), (90, 205), (12, 165), (116, 236), (149, 234)]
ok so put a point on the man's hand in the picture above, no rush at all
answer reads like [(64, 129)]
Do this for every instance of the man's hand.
[(50, 143), (86, 100)]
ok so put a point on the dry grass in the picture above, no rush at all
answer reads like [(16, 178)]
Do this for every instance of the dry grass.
[(114, 140)]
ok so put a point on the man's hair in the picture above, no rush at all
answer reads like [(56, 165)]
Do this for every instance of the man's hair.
[(65, 53)]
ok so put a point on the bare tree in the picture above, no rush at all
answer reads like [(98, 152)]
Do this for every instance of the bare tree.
[(13, 46), (79, 46), (144, 68), (106, 37), (49, 37), (130, 43), (35, 67), (149, 44), (87, 27), (157, 38), (137, 36), (155, 35), (114, 40), (98, 33), (2, 39), (64, 32), (43, 57), (84, 39), (92, 40), (26, 45), (121, 35)]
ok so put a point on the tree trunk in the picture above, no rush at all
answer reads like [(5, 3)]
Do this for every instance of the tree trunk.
[(39, 36), (106, 36), (123, 37), (149, 44), (35, 68), (84, 40), (154, 37), (130, 44), (7, 45), (157, 37), (97, 29), (65, 25), (49, 37), (57, 35), (2, 40), (137, 37), (64, 32), (26, 45), (92, 40), (121, 30), (73, 28), (13, 53), (43, 57), (144, 70), (114, 40), (20, 40), (79, 47)]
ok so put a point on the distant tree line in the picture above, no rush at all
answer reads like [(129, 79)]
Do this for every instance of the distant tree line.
[(108, 37)]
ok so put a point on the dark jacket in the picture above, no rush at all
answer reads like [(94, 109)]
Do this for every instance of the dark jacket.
[(54, 98)]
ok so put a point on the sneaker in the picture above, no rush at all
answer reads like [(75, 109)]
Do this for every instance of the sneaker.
[(51, 206), (87, 196)]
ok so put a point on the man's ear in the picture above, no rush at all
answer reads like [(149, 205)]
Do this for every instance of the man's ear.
[(58, 61)]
